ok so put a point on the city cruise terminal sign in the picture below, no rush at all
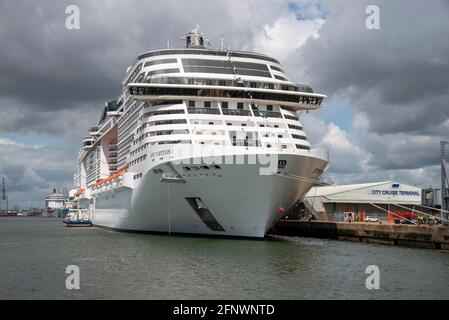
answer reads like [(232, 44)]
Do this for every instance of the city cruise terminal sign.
[(381, 193), (395, 192)]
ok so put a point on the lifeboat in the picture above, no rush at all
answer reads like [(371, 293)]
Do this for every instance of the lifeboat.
[(110, 178)]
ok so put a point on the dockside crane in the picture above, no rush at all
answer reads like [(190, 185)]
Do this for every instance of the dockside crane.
[(444, 181), (4, 197)]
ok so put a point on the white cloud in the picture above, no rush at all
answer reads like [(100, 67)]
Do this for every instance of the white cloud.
[(360, 121), (31, 178), (315, 127), (286, 35), (346, 156), (32, 172), (7, 142)]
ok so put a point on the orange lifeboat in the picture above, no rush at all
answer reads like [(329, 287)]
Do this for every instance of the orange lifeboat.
[(111, 177), (79, 192)]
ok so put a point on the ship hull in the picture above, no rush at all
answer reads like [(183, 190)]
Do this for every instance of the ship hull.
[(233, 200)]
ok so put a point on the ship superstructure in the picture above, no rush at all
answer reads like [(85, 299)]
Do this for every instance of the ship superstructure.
[(200, 141)]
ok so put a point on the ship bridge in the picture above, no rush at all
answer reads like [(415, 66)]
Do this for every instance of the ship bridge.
[(199, 73)]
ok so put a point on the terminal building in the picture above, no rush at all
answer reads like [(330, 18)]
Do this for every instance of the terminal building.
[(383, 200)]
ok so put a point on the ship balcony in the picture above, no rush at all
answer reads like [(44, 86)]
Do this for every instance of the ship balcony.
[(236, 112), (267, 114), (88, 142), (291, 100), (203, 111)]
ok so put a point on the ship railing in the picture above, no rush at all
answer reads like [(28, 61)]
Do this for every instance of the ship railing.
[(267, 114), (203, 110), (111, 182), (237, 112)]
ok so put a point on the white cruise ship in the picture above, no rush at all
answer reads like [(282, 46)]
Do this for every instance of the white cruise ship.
[(201, 141)]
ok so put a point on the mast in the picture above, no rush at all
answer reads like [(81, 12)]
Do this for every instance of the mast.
[(195, 39)]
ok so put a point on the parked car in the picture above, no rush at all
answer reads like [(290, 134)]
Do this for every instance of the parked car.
[(372, 219)]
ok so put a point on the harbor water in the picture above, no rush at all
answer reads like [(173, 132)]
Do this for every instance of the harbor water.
[(35, 252)]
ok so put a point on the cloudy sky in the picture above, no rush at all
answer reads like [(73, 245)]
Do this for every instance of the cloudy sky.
[(388, 89)]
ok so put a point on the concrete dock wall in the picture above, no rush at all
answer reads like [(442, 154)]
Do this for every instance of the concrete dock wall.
[(423, 236)]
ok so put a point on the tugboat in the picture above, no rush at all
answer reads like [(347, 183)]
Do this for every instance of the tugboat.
[(77, 218)]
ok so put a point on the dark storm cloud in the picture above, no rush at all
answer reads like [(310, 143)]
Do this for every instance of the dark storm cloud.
[(53, 82), (50, 67), (398, 75), (26, 168), (45, 68), (402, 151), (395, 78)]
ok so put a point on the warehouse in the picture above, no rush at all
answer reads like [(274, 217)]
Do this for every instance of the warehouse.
[(384, 200)]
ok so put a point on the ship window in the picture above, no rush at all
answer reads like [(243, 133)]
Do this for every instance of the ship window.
[(276, 68), (280, 136), (217, 167), (206, 104), (290, 117), (224, 105), (187, 168), (160, 171), (280, 78), (262, 125), (276, 126), (284, 146), (163, 71), (240, 105), (297, 136), (205, 167), (165, 122), (268, 145), (229, 124), (191, 104), (227, 70), (300, 146), (161, 61), (269, 107), (291, 126), (243, 124), (206, 52), (211, 123)]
